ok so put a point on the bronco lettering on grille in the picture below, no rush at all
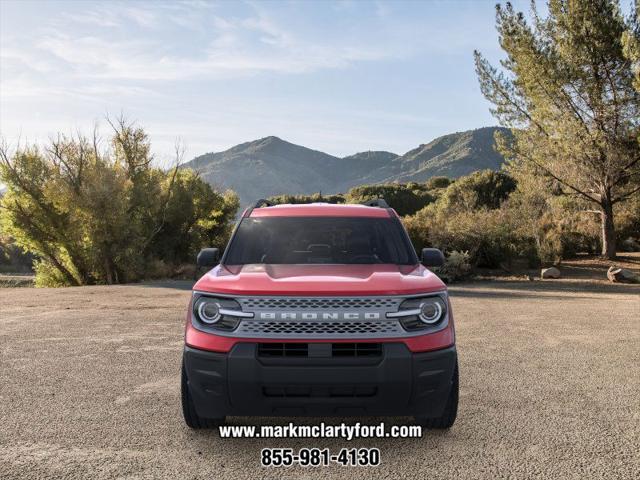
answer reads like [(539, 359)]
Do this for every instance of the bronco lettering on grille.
[(318, 316)]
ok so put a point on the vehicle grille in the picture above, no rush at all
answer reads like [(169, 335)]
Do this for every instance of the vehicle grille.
[(283, 349), (317, 303), (356, 349), (318, 329), (342, 350)]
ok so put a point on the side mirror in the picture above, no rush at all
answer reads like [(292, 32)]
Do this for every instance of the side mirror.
[(208, 257), (432, 257)]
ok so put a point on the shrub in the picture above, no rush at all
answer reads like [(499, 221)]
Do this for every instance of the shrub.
[(406, 199), (12, 258), (92, 216), (456, 266), (435, 183), (482, 189), (487, 235), (313, 198)]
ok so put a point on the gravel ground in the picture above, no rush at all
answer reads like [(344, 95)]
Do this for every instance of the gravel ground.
[(550, 387)]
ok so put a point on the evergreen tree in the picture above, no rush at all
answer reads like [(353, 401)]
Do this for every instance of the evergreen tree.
[(566, 89)]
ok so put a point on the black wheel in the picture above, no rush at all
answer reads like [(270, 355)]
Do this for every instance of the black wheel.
[(191, 417), (448, 417)]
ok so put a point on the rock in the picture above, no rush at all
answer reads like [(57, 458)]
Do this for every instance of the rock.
[(621, 275), (551, 272)]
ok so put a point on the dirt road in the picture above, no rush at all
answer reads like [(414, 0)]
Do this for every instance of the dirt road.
[(550, 388)]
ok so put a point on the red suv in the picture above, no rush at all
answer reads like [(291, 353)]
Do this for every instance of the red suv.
[(321, 310)]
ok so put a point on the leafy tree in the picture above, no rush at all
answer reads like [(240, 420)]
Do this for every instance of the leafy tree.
[(567, 91), (313, 198), (471, 215), (12, 259), (93, 216), (437, 182), (196, 216), (484, 188), (406, 199)]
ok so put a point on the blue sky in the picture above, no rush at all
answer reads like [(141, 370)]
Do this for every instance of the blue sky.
[(340, 76)]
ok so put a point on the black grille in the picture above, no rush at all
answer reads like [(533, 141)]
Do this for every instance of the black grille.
[(253, 328), (337, 350), (283, 350), (357, 350)]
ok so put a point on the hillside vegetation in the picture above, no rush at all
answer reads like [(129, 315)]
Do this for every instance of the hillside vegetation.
[(488, 219), (272, 166)]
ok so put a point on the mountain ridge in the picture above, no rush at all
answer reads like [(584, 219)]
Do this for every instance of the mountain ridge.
[(272, 166)]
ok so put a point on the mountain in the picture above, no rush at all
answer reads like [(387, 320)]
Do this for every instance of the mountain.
[(271, 166), (453, 156)]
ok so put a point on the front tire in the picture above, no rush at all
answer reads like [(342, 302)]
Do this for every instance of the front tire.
[(448, 417), (191, 417)]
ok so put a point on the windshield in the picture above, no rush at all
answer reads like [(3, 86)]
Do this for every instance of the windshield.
[(313, 240)]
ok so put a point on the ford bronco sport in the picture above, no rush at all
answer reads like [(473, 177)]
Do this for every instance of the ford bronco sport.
[(319, 309)]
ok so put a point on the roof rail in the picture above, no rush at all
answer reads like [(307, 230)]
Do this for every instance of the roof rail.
[(376, 202), (264, 202), (260, 203)]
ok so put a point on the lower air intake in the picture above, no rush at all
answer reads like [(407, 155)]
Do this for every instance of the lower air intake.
[(356, 350), (283, 350)]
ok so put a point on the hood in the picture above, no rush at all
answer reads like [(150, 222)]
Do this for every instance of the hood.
[(329, 280)]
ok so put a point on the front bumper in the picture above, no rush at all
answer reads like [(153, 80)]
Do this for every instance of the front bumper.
[(242, 382)]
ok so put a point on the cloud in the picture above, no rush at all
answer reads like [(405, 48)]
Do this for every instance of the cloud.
[(183, 41), (110, 16), (233, 46), (178, 63)]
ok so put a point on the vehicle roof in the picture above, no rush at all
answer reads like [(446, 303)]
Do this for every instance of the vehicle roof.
[(321, 210)]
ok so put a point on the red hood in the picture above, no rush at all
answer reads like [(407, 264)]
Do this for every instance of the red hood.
[(338, 280)]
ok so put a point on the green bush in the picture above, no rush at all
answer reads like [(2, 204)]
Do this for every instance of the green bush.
[(472, 216), (435, 183), (482, 189), (12, 258), (92, 216), (313, 198), (406, 199)]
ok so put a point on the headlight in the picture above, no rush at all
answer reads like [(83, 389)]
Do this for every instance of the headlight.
[(208, 310), (431, 310), (218, 313), (421, 313)]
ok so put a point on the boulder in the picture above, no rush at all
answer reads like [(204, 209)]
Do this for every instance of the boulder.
[(621, 275), (551, 272)]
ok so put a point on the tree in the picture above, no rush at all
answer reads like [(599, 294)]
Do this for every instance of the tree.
[(631, 41), (312, 198), (470, 216), (484, 188), (405, 198), (106, 216), (566, 89), (196, 216), (437, 182)]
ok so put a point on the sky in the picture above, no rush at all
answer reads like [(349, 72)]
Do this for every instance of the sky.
[(340, 77)]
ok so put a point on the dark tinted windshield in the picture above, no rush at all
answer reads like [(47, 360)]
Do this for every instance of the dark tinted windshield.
[(305, 240)]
